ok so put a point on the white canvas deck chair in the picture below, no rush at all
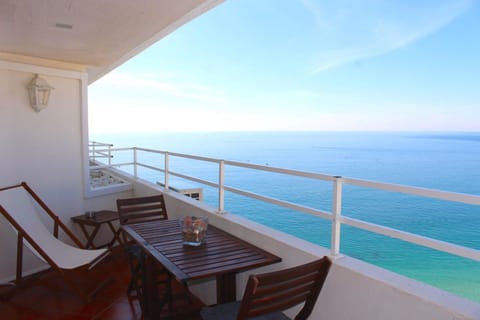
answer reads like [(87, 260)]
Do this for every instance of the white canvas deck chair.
[(22, 208)]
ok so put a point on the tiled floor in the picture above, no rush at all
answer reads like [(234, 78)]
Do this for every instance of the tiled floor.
[(47, 297)]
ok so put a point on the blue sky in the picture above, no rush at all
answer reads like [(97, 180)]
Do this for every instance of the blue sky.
[(298, 65)]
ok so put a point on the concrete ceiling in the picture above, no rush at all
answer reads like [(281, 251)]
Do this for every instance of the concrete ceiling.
[(97, 34)]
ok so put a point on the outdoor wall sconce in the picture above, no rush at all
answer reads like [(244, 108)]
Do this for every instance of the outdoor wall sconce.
[(39, 93)]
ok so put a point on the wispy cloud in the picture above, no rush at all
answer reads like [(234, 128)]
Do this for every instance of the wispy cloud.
[(350, 31), (176, 88)]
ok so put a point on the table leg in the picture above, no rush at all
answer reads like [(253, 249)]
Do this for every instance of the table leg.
[(150, 291), (89, 237), (226, 288), (116, 235)]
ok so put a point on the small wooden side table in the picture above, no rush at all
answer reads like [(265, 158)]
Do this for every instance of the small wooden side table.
[(101, 217)]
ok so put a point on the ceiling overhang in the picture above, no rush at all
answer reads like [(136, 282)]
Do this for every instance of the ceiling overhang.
[(94, 35)]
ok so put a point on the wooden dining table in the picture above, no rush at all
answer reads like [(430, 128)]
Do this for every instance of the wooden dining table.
[(221, 256)]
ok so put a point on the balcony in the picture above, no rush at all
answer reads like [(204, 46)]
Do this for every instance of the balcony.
[(350, 277)]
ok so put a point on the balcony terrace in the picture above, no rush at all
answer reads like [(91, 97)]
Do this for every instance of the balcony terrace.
[(350, 277)]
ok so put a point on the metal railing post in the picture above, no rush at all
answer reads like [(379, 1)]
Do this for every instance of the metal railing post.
[(93, 150), (109, 154), (336, 216), (166, 170), (221, 182), (135, 162)]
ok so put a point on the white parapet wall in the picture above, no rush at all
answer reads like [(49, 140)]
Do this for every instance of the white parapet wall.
[(353, 289)]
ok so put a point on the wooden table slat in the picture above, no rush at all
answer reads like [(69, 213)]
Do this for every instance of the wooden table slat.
[(205, 256), (231, 263), (240, 266)]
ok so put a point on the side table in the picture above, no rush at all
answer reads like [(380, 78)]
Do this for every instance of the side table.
[(101, 217)]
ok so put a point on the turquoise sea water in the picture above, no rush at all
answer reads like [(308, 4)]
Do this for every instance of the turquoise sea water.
[(445, 161)]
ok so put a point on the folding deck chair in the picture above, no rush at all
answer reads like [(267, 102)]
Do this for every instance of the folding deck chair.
[(22, 209)]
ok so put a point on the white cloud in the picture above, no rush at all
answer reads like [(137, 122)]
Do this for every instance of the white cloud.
[(179, 88), (350, 31)]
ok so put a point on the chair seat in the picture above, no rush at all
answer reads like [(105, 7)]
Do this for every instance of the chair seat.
[(229, 311)]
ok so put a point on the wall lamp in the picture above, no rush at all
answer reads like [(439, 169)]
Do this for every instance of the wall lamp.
[(39, 93)]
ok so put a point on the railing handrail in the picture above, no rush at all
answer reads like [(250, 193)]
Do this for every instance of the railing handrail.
[(425, 192), (417, 191), (102, 144), (335, 216)]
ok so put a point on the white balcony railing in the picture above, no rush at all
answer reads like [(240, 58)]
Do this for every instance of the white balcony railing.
[(97, 151), (334, 216)]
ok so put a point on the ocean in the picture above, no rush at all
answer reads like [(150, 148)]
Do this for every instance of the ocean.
[(437, 160)]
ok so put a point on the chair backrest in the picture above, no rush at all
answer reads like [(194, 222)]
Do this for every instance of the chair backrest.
[(141, 209), (280, 290)]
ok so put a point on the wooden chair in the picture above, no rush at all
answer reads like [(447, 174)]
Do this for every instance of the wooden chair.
[(142, 209), (266, 295), (23, 208)]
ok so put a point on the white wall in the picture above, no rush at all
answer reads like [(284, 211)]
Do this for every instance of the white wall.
[(42, 148)]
